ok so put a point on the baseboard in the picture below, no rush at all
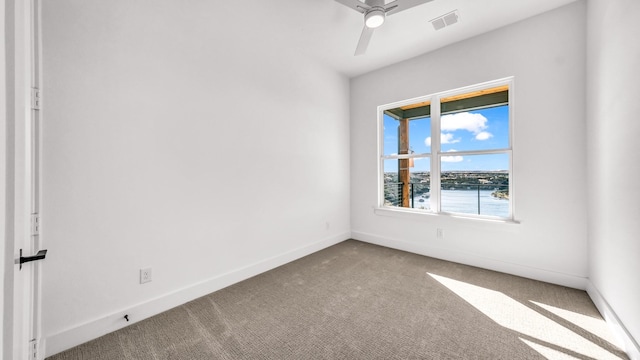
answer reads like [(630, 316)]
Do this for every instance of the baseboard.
[(626, 341), (103, 325), (553, 277)]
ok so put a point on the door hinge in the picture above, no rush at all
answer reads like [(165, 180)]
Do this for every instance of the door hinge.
[(33, 349), (36, 98), (35, 224)]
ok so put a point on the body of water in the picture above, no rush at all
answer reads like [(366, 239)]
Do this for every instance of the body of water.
[(466, 202)]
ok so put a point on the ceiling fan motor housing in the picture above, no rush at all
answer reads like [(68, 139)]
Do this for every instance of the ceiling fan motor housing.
[(374, 17), (375, 12)]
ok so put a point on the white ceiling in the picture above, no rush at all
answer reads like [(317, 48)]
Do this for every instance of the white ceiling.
[(329, 31)]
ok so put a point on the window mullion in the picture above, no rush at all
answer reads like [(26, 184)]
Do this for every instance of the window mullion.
[(435, 154), (477, 152)]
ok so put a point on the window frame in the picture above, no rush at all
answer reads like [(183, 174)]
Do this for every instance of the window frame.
[(436, 154)]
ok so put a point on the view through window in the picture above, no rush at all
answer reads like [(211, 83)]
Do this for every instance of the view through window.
[(466, 169)]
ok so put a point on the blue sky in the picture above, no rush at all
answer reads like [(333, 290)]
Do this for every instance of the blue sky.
[(474, 130)]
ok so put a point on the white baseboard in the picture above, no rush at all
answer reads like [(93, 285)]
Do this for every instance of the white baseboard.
[(625, 340), (553, 277), (90, 330)]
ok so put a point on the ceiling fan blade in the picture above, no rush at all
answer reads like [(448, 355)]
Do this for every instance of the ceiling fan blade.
[(365, 37), (356, 5), (401, 5)]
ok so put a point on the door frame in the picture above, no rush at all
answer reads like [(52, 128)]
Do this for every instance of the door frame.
[(20, 303), (6, 182)]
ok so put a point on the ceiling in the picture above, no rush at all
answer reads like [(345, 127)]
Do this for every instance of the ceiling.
[(328, 31)]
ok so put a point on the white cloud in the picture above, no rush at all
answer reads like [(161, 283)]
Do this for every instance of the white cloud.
[(452, 158), (484, 135), (456, 158), (471, 122), (448, 139), (444, 139)]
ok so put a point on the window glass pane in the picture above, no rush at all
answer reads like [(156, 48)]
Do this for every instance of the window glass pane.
[(477, 129), (390, 139), (414, 195), (417, 137), (420, 135), (475, 184)]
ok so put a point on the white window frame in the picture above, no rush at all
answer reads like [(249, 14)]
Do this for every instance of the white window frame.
[(436, 153)]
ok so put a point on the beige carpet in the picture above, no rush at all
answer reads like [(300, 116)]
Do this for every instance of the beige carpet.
[(360, 301)]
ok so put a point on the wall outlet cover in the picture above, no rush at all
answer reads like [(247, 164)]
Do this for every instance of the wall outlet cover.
[(145, 275)]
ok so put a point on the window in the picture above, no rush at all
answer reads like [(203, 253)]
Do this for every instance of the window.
[(466, 169)]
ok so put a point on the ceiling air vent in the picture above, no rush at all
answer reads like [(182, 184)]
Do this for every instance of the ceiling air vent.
[(445, 20)]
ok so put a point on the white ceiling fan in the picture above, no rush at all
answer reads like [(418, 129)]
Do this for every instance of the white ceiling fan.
[(375, 12)]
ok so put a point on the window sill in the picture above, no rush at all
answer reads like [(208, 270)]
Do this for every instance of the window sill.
[(422, 215)]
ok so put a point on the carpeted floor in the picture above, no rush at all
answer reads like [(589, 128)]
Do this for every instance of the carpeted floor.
[(361, 301)]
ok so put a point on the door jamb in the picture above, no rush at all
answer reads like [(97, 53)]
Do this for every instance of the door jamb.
[(17, 183)]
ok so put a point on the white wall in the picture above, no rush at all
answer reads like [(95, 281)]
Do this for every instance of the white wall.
[(613, 147), (546, 54), (175, 141)]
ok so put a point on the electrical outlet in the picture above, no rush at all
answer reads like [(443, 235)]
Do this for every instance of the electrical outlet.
[(439, 233), (145, 275)]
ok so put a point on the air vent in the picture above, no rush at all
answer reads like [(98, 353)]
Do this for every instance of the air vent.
[(445, 20)]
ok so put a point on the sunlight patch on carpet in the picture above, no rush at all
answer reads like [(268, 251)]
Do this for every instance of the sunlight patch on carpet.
[(548, 352), (515, 316), (593, 325)]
